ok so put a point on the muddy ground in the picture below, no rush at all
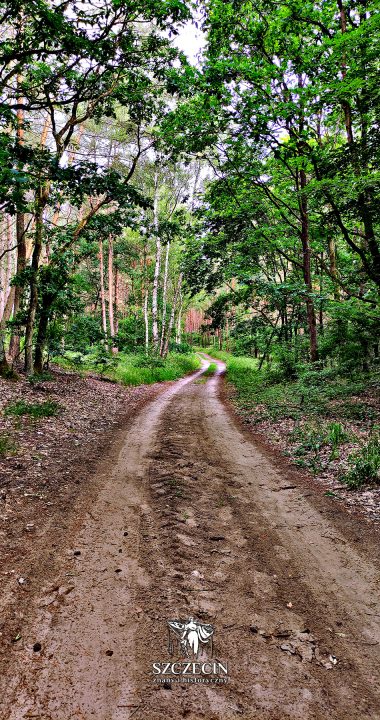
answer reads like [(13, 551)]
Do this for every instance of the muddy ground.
[(186, 516)]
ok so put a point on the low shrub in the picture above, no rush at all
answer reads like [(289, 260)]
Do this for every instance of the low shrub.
[(49, 408), (364, 465)]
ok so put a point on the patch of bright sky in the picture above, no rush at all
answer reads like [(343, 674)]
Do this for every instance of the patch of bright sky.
[(191, 40)]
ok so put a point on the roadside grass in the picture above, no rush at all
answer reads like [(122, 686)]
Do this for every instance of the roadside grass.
[(49, 408), (207, 373), (364, 465), (324, 419), (132, 369)]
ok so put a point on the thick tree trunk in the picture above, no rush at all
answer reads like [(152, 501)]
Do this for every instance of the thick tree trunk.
[(306, 255), (102, 294), (172, 316), (164, 295), (156, 268)]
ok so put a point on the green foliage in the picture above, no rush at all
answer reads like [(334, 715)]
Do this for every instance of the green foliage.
[(7, 445), (39, 378), (175, 366), (132, 368), (364, 465), (49, 408), (83, 332), (131, 333)]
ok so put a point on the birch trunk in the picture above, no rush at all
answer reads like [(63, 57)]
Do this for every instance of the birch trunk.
[(178, 336), (172, 315), (164, 294), (146, 320), (116, 301), (156, 268)]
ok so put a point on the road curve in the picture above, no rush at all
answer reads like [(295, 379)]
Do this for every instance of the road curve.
[(194, 520)]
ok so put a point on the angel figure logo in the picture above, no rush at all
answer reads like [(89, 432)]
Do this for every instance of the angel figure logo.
[(191, 647), (189, 637)]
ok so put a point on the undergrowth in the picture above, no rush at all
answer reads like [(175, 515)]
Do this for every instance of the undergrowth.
[(49, 408), (322, 404), (133, 369), (7, 445)]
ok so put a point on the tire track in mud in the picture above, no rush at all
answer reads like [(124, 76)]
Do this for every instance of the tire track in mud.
[(199, 523)]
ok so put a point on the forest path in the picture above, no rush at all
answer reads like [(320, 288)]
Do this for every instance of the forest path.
[(194, 520)]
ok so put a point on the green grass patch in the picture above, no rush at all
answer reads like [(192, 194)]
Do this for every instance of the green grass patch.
[(364, 465), (7, 446), (49, 408), (133, 368), (211, 370), (264, 393)]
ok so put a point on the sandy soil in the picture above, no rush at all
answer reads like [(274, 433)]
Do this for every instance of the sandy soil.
[(193, 519)]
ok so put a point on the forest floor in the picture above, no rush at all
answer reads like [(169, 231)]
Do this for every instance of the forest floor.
[(319, 423), (184, 516)]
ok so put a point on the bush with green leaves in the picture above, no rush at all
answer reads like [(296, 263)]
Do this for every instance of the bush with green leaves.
[(364, 465), (83, 333)]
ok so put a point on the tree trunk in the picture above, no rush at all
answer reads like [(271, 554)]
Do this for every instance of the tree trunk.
[(41, 336), (33, 284), (333, 268), (116, 301), (345, 104), (172, 315), (14, 347), (164, 294), (306, 255), (178, 337), (4, 367), (146, 320), (102, 294), (110, 293), (156, 268)]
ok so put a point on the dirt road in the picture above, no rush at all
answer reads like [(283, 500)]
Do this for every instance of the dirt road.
[(194, 520)]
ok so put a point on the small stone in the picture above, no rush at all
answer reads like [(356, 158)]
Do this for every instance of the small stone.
[(109, 653), (37, 647), (77, 553)]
